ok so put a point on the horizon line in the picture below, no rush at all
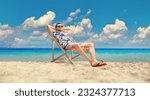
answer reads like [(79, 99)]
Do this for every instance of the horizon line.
[(59, 48)]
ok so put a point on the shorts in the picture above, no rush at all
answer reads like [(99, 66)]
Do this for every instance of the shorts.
[(69, 46)]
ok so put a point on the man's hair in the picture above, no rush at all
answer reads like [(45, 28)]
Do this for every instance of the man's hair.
[(57, 24)]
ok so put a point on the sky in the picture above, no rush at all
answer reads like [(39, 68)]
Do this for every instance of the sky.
[(106, 23)]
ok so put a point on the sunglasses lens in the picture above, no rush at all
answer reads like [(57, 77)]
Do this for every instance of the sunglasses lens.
[(59, 26)]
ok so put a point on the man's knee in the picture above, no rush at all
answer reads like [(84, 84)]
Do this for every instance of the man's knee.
[(91, 44), (75, 44)]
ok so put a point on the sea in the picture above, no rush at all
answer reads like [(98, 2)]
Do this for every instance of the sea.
[(106, 54)]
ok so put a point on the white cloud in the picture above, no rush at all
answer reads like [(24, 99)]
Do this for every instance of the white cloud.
[(18, 42), (112, 31), (42, 21), (36, 33), (142, 34), (75, 29), (73, 14), (89, 12), (39, 36), (6, 26), (83, 27), (35, 39), (69, 19), (134, 41), (20, 38), (5, 31), (115, 31), (86, 23)]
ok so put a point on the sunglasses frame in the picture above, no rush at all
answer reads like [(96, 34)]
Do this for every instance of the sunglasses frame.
[(60, 26)]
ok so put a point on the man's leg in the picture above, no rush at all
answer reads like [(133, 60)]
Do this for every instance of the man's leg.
[(92, 51), (78, 48)]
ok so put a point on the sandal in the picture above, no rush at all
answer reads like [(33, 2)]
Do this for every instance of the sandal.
[(99, 64), (102, 64), (95, 64)]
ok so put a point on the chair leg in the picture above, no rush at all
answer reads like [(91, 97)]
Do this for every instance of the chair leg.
[(52, 49), (58, 57), (73, 57), (69, 59), (61, 56)]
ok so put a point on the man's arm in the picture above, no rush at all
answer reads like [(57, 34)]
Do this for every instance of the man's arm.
[(66, 30), (50, 28)]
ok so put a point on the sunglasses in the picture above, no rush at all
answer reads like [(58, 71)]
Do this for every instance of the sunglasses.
[(59, 26)]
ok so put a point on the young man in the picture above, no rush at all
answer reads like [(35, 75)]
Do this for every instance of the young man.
[(67, 43)]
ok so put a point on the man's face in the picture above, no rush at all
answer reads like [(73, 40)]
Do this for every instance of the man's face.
[(59, 27)]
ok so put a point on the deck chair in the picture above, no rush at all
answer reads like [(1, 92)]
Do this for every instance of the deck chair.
[(64, 52)]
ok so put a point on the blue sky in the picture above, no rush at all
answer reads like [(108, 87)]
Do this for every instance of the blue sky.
[(107, 23)]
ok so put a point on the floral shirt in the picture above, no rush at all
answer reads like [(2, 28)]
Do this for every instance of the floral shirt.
[(62, 38)]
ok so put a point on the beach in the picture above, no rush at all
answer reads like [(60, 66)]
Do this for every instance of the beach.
[(79, 72)]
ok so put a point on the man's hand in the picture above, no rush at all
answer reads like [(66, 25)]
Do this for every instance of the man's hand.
[(50, 28)]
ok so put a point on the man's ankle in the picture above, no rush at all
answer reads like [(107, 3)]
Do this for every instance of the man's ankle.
[(93, 61)]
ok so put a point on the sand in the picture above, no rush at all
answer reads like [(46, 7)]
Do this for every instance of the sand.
[(80, 72)]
